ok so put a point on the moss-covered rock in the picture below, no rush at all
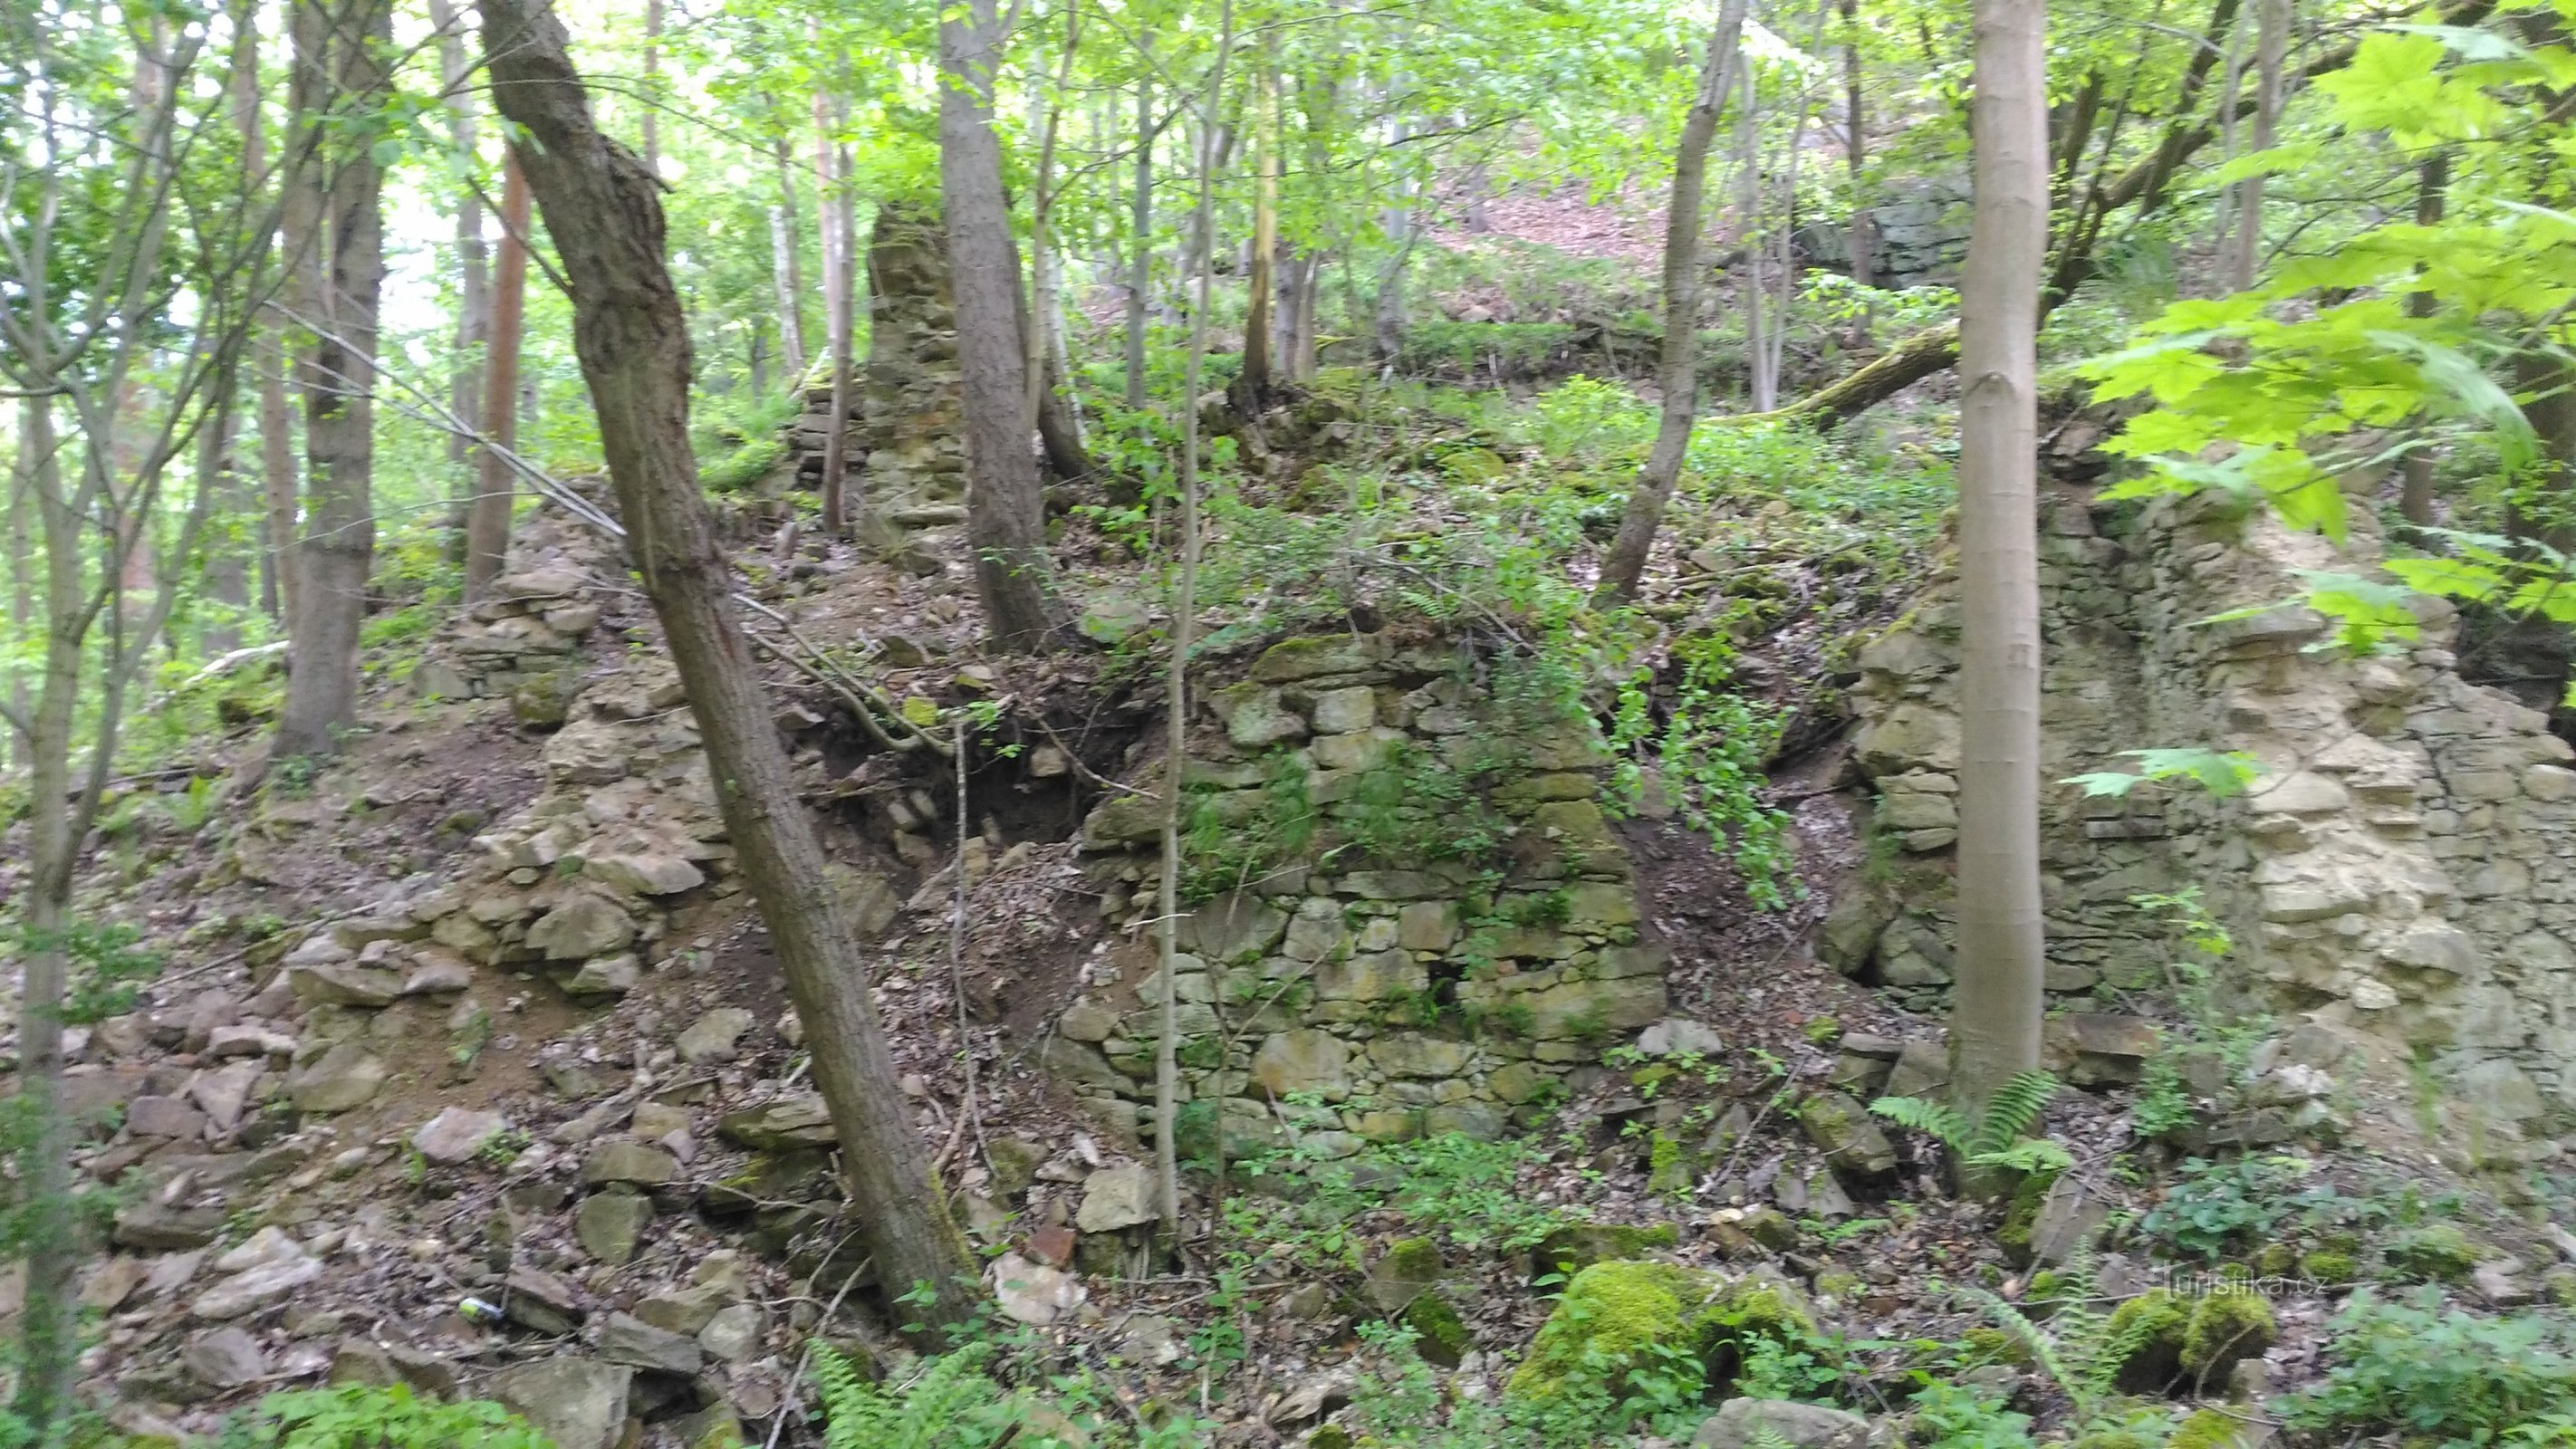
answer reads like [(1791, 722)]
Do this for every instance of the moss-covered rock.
[(2433, 1253), (2189, 1342), (2208, 1429), (1982, 1346), (2329, 1268), (2225, 1329), (2023, 1212), (1439, 1334), (1406, 1272), (1612, 1318)]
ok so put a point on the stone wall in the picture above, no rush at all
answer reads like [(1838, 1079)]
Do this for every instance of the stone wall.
[(906, 407), (2405, 867), (1444, 924)]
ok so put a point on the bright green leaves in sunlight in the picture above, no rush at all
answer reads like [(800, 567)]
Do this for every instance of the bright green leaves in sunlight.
[(2221, 774)]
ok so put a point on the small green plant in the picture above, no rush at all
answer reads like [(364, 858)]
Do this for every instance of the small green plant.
[(2222, 1207), (2433, 1372), (354, 1416), (1994, 1138)]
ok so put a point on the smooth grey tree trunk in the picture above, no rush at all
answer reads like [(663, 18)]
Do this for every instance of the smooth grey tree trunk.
[(605, 213), (787, 272), (349, 44), (473, 281), (1140, 223), (1014, 574), (1996, 1004), (496, 482), (1678, 368)]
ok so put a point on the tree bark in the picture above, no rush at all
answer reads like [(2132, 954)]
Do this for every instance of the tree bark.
[(496, 488), (787, 272), (651, 100), (2271, 46), (840, 294), (350, 42), (1762, 385), (1140, 222), (227, 563), (1253, 383), (1014, 574), (474, 299), (1996, 1005), (2432, 186), (1678, 366), (1863, 241), (605, 213)]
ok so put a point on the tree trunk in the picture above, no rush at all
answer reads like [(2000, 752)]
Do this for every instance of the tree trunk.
[(1761, 383), (787, 272), (1177, 715), (351, 41), (840, 296), (1995, 1015), (1045, 304), (474, 301), (496, 488), (1678, 369), (226, 578), (22, 565), (278, 484), (1386, 314), (1864, 223), (2271, 46), (1140, 222), (1253, 383), (605, 213), (1014, 574), (2432, 184)]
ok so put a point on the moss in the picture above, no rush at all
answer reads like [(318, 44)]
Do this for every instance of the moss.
[(1840, 1285), (2119, 1437), (1759, 1305), (2023, 1214), (1613, 1317), (1439, 1334), (2276, 1260), (1330, 1436), (2207, 1429), (1411, 1260), (1671, 1171), (2152, 1325), (2433, 1253), (2332, 1269), (2226, 1328), (1979, 1347)]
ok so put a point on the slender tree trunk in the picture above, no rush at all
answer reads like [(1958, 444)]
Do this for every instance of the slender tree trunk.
[(1167, 1074), (48, 1326), (1044, 302), (787, 271), (840, 283), (1995, 1017), (278, 484), (1386, 326), (474, 300), (1140, 223), (338, 547), (1253, 383), (605, 213), (226, 578), (1013, 572), (2432, 185), (1864, 223), (1678, 366), (2271, 47), (22, 564), (496, 487), (1762, 384)]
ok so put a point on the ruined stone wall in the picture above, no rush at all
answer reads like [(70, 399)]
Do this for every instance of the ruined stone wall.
[(2406, 866), (906, 408), (1438, 982)]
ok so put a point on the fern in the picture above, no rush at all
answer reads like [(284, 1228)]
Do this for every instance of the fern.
[(2078, 1347), (1993, 1138), (950, 1404)]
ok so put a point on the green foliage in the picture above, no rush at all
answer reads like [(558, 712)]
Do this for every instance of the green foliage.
[(2081, 1348), (1708, 754), (2221, 774), (1967, 1416), (1993, 1139), (354, 1416), (1462, 1190), (2222, 1207), (2417, 1367)]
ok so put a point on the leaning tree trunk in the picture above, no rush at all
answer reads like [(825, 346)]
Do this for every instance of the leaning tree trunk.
[(1995, 1014), (604, 211), (1679, 370), (337, 550), (1014, 574), (496, 484)]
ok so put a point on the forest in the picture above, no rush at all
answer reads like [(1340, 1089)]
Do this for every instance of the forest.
[(1118, 724)]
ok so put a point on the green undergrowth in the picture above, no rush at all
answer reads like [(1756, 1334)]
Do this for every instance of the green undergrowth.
[(358, 1417), (1318, 1212)]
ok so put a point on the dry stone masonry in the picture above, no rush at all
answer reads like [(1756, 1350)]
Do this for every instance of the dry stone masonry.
[(2405, 866), (907, 406), (1443, 923)]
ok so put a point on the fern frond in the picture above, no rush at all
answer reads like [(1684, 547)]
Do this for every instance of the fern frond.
[(2014, 1110), (1932, 1118), (2042, 1345)]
